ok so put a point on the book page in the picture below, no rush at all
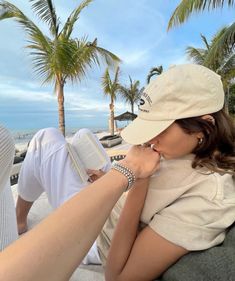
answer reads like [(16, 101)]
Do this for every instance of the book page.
[(90, 153), (77, 163)]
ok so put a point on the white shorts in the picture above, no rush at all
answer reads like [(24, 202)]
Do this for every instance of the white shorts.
[(48, 168)]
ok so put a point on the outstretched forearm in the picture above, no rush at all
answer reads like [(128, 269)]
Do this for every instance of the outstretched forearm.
[(126, 230), (54, 248)]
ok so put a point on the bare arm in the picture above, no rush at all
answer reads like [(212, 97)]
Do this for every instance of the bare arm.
[(150, 256), (126, 230), (52, 250), (138, 256)]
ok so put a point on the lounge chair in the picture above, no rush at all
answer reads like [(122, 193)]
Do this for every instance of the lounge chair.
[(110, 141)]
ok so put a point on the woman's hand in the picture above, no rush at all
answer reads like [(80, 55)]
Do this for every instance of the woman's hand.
[(142, 160), (94, 174)]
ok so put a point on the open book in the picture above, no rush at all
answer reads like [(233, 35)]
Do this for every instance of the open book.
[(86, 154)]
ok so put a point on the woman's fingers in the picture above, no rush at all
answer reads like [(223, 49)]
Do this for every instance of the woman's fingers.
[(94, 174), (142, 160)]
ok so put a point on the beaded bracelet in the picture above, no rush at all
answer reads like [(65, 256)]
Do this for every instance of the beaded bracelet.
[(128, 173)]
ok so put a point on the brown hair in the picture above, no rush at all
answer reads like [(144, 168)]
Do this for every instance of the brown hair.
[(217, 151)]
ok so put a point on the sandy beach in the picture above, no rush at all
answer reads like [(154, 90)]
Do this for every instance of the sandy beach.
[(22, 146)]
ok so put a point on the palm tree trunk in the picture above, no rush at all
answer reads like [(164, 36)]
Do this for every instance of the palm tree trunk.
[(132, 108), (60, 99), (227, 100), (111, 106)]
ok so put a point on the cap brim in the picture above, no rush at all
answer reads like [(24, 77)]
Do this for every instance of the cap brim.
[(141, 131)]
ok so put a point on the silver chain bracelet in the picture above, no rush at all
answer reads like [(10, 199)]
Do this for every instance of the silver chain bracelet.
[(128, 173)]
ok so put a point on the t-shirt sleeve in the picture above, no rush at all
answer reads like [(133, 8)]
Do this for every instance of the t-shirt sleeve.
[(196, 221)]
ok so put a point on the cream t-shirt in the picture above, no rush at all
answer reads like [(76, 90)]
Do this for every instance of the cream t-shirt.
[(189, 207)]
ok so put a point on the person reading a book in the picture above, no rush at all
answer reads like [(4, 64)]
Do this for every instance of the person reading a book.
[(58, 168), (189, 203)]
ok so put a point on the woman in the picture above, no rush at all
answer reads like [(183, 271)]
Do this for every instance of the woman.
[(190, 201), (188, 204)]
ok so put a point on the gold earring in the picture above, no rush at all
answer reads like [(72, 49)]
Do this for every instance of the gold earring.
[(200, 141)]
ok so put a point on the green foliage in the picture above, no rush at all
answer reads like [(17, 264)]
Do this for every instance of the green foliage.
[(131, 94), (58, 57), (223, 63), (187, 7), (231, 100), (111, 87), (154, 71)]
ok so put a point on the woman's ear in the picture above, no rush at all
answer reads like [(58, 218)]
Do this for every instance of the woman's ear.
[(200, 136), (209, 118)]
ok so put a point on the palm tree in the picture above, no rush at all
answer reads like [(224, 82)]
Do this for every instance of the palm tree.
[(60, 57), (131, 94), (223, 64), (232, 99), (187, 7), (154, 71), (111, 88)]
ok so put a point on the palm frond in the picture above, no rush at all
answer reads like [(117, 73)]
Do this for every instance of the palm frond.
[(34, 34), (85, 56), (79, 57), (187, 7), (116, 76), (45, 10), (221, 60), (110, 59), (227, 68), (111, 87), (66, 58), (223, 43), (131, 82), (11, 11), (154, 71), (131, 93), (218, 35), (196, 54), (205, 41), (106, 82), (74, 16)]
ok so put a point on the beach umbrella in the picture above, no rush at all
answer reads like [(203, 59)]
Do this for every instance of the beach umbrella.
[(126, 116)]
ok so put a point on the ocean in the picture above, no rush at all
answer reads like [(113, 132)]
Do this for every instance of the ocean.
[(23, 125)]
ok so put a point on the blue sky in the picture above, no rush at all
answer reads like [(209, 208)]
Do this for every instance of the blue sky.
[(136, 31)]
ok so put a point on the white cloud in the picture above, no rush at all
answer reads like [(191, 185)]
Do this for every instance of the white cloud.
[(11, 91), (134, 30)]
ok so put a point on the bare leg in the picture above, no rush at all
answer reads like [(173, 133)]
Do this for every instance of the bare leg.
[(22, 210)]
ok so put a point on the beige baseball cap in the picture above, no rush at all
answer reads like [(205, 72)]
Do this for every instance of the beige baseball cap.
[(183, 91)]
